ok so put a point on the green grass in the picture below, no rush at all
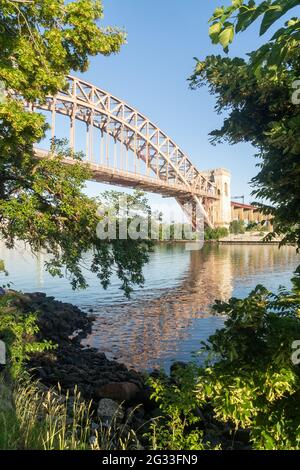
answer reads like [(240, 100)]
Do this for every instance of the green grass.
[(31, 418)]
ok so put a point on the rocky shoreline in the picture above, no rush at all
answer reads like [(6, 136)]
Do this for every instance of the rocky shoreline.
[(110, 386), (71, 363), (113, 389)]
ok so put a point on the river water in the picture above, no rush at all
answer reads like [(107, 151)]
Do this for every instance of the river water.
[(168, 318)]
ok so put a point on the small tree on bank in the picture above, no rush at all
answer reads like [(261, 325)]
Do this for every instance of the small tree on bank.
[(42, 202)]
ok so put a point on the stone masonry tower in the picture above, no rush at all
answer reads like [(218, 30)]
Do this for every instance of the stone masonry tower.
[(222, 208)]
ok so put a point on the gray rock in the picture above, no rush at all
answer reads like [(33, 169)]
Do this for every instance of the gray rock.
[(93, 441), (109, 411)]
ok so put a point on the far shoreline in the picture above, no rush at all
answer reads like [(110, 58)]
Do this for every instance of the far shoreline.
[(220, 242)]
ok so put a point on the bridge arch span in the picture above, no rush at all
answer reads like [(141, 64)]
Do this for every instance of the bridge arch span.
[(166, 168)]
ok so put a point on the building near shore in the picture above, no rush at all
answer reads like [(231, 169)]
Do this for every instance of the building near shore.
[(249, 214), (225, 210)]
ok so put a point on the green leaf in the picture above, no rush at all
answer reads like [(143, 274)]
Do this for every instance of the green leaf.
[(269, 442), (226, 36), (217, 14), (215, 28), (248, 16), (214, 31), (237, 3), (275, 12), (269, 18)]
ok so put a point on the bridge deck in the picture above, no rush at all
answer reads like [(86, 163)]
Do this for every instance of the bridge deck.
[(113, 176)]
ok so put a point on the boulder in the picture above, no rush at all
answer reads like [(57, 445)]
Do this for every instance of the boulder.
[(109, 411), (118, 391)]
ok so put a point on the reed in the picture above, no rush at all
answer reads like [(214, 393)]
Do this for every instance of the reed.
[(33, 418)]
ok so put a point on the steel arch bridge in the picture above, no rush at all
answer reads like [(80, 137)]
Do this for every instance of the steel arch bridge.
[(125, 148)]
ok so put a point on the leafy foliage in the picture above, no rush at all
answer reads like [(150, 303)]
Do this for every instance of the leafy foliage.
[(18, 331), (228, 21), (215, 233), (249, 379), (259, 110), (42, 41), (177, 428), (237, 227), (254, 382)]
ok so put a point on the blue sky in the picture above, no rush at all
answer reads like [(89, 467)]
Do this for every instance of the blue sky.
[(151, 72)]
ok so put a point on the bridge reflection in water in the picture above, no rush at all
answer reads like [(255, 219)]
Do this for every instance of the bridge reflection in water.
[(169, 317), (151, 332)]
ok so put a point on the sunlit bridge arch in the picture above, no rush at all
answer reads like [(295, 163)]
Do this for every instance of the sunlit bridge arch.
[(123, 147)]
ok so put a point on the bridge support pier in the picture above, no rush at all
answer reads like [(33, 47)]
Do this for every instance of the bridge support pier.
[(196, 212), (222, 206)]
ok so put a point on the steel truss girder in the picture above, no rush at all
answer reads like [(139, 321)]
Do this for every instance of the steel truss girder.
[(87, 103)]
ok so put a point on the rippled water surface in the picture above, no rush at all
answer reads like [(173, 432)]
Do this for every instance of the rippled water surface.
[(167, 319)]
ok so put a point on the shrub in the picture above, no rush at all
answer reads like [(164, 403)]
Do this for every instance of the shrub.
[(177, 428), (215, 233), (237, 227), (249, 379), (253, 382), (18, 331)]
